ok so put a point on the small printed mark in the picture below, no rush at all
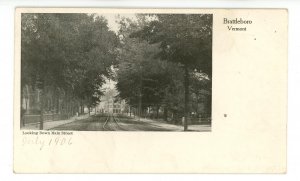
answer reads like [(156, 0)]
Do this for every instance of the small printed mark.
[(225, 115)]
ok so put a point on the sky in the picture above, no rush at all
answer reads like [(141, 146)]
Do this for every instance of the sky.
[(113, 25), (112, 18)]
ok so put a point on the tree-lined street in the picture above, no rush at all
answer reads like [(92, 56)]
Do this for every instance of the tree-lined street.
[(160, 64)]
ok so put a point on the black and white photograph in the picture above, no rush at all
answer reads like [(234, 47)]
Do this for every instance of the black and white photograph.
[(116, 72), (149, 90)]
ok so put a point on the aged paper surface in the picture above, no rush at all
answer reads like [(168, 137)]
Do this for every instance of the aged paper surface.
[(248, 112)]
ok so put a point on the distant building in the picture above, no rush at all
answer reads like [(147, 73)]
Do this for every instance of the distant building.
[(109, 104)]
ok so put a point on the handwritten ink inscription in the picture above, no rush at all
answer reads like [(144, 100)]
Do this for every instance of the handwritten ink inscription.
[(43, 139), (42, 142)]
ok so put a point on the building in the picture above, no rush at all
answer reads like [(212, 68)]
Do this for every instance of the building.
[(108, 102)]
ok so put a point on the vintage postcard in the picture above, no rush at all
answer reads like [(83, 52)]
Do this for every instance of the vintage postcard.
[(150, 90)]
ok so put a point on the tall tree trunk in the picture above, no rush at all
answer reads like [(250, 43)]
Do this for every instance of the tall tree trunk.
[(78, 109), (42, 110), (52, 104), (140, 105), (22, 124), (165, 113), (186, 97), (57, 104), (68, 106), (157, 111), (130, 111), (81, 108), (72, 109)]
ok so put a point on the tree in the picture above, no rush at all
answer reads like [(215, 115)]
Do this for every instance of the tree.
[(131, 69), (68, 54), (185, 39), (141, 77)]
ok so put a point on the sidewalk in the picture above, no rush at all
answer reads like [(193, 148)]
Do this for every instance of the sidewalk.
[(52, 124), (161, 124), (203, 128)]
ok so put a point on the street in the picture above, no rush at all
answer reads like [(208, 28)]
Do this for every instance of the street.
[(123, 123)]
